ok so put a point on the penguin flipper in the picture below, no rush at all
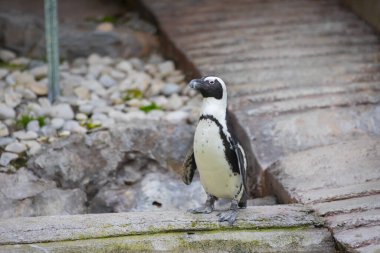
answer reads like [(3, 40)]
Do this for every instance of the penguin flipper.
[(242, 164), (189, 167)]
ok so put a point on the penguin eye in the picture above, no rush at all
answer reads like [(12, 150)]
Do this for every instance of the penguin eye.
[(211, 82)]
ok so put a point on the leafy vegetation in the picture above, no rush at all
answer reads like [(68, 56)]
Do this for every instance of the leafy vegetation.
[(150, 107), (24, 120), (132, 93), (11, 66)]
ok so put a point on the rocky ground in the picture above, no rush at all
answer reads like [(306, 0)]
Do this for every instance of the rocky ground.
[(112, 142)]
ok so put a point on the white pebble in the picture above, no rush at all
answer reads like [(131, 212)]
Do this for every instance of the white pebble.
[(33, 125), (86, 108), (170, 88), (22, 135), (3, 130), (6, 112), (63, 111), (15, 147), (177, 117), (57, 123), (6, 55), (6, 158), (71, 125), (107, 81), (80, 116), (125, 66), (166, 68)]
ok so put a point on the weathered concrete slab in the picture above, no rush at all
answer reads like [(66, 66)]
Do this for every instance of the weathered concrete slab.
[(358, 237), (299, 177), (260, 229), (296, 240), (354, 219)]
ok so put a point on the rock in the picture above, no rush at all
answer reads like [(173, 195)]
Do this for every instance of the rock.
[(137, 64), (86, 108), (70, 125), (125, 66), (27, 94), (174, 103), (38, 88), (12, 98), (82, 93), (6, 55), (94, 59), (87, 161), (162, 191), (22, 135), (6, 158), (107, 81), (24, 78), (155, 191), (4, 141), (57, 123), (3, 73), (10, 79), (15, 147), (3, 130), (63, 111), (117, 74), (6, 112), (48, 131), (39, 72), (33, 147), (81, 116), (27, 195), (60, 202), (20, 61), (33, 126), (166, 68), (170, 88), (177, 117), (105, 27), (23, 184)]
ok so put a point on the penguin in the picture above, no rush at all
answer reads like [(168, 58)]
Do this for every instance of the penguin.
[(216, 152)]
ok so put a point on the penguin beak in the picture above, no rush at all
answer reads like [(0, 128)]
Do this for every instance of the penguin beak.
[(195, 83)]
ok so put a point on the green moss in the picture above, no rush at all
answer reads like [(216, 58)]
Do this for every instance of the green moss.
[(91, 125), (24, 120), (150, 107), (11, 66), (132, 93)]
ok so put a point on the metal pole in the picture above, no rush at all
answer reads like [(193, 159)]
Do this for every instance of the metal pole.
[(52, 48)]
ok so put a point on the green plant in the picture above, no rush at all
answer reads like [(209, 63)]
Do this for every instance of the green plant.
[(24, 120), (132, 93), (11, 66), (152, 106)]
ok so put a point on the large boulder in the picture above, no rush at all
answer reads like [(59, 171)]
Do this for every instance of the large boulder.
[(24, 194), (130, 166)]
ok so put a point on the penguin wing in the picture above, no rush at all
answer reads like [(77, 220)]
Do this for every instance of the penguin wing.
[(189, 167), (242, 162)]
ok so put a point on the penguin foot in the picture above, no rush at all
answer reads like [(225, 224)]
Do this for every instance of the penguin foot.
[(202, 209), (229, 216)]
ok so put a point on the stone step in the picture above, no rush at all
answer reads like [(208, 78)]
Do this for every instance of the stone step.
[(275, 136), (358, 237), (260, 229), (331, 167), (290, 63)]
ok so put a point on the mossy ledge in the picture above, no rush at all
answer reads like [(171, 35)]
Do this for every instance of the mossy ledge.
[(258, 229)]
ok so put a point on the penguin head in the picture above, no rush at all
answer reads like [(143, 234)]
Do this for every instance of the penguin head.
[(209, 87)]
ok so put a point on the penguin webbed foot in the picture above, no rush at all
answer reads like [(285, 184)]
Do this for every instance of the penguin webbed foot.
[(229, 216), (208, 207), (202, 209)]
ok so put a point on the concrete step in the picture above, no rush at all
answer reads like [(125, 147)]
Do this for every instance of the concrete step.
[(281, 228)]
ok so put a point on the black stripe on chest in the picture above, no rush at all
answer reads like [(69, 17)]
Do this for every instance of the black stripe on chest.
[(228, 149)]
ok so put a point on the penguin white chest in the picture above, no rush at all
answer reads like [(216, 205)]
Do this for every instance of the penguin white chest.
[(209, 151)]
